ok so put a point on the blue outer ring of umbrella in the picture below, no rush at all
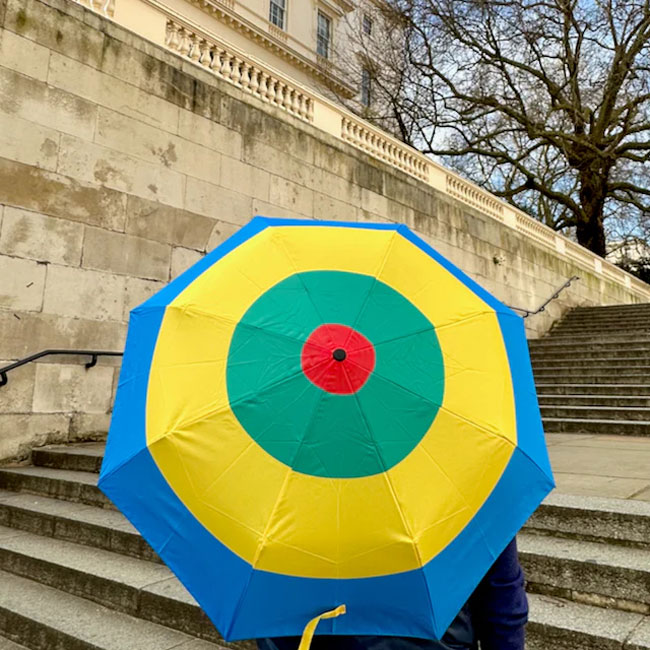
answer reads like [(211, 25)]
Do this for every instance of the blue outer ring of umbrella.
[(412, 592)]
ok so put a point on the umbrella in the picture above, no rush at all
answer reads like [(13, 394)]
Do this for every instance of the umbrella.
[(326, 415)]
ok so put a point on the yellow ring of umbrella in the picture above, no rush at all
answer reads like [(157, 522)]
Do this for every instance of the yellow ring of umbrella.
[(296, 524)]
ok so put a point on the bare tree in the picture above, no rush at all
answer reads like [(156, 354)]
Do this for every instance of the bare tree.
[(545, 103)]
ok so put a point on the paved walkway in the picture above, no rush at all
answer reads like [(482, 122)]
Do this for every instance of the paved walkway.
[(599, 465)]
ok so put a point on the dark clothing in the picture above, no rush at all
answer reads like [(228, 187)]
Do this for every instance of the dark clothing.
[(495, 616)]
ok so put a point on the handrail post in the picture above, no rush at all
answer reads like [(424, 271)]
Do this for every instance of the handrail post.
[(3, 378), (92, 362)]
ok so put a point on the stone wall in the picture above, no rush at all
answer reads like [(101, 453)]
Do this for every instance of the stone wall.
[(121, 164)]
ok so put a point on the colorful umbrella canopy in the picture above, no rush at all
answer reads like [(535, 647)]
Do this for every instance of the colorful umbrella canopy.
[(320, 414)]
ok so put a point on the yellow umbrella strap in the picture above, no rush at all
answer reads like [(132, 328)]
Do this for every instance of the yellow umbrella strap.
[(310, 628)]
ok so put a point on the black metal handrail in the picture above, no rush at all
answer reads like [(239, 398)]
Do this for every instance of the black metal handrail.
[(542, 307), (93, 354)]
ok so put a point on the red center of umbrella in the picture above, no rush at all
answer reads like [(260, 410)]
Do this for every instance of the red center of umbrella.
[(337, 358)]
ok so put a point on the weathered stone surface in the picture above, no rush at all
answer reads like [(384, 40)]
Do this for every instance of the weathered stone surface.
[(16, 396), (133, 137), (244, 179), (24, 56), (137, 291), (220, 232), (328, 208), (275, 161), (52, 194), (84, 294), (104, 90), (37, 102), (209, 133), (30, 332), (291, 196), (166, 224), (22, 284), (93, 164), (182, 259), (217, 202), (39, 237), (95, 425), (20, 432), (28, 143), (110, 251), (55, 30), (60, 388)]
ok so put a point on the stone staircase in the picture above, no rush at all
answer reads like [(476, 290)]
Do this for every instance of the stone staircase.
[(76, 576), (593, 371)]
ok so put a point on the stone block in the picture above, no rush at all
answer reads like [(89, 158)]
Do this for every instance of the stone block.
[(27, 142), (209, 133), (24, 56), (244, 179), (20, 432), (16, 395), (167, 224), (328, 208), (62, 388), (217, 202), (39, 237), (55, 30), (94, 164), (35, 101), (55, 195), (220, 232), (277, 162), (100, 88), (110, 251), (84, 294), (152, 144), (137, 291), (21, 288), (264, 209), (374, 203), (182, 259), (85, 426), (337, 187), (291, 196), (28, 332)]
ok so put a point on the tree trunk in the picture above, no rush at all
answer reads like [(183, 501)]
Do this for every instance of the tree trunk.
[(589, 224)]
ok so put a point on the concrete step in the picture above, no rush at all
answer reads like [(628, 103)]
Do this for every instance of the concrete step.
[(559, 624), (86, 457), (597, 348), (621, 522), (591, 321), (589, 375), (609, 427), (631, 413), (77, 486), (549, 389), (624, 354), (594, 401), (600, 330), (613, 336), (128, 585), (6, 644), (640, 307), (634, 364), (597, 574), (101, 528), (43, 618)]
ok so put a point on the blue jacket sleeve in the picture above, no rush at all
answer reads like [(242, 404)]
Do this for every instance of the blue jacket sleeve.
[(499, 604)]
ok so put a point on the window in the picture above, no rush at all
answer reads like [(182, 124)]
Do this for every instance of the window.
[(366, 24), (366, 81), (323, 35), (277, 12)]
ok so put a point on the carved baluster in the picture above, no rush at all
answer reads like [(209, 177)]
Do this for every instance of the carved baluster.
[(288, 98), (271, 89), (255, 80), (295, 108), (195, 52), (172, 41), (225, 66), (264, 88), (235, 74), (279, 93), (310, 110), (215, 64), (245, 76), (205, 59), (185, 44)]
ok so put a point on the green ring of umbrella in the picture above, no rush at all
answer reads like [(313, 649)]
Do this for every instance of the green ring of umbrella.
[(309, 429)]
